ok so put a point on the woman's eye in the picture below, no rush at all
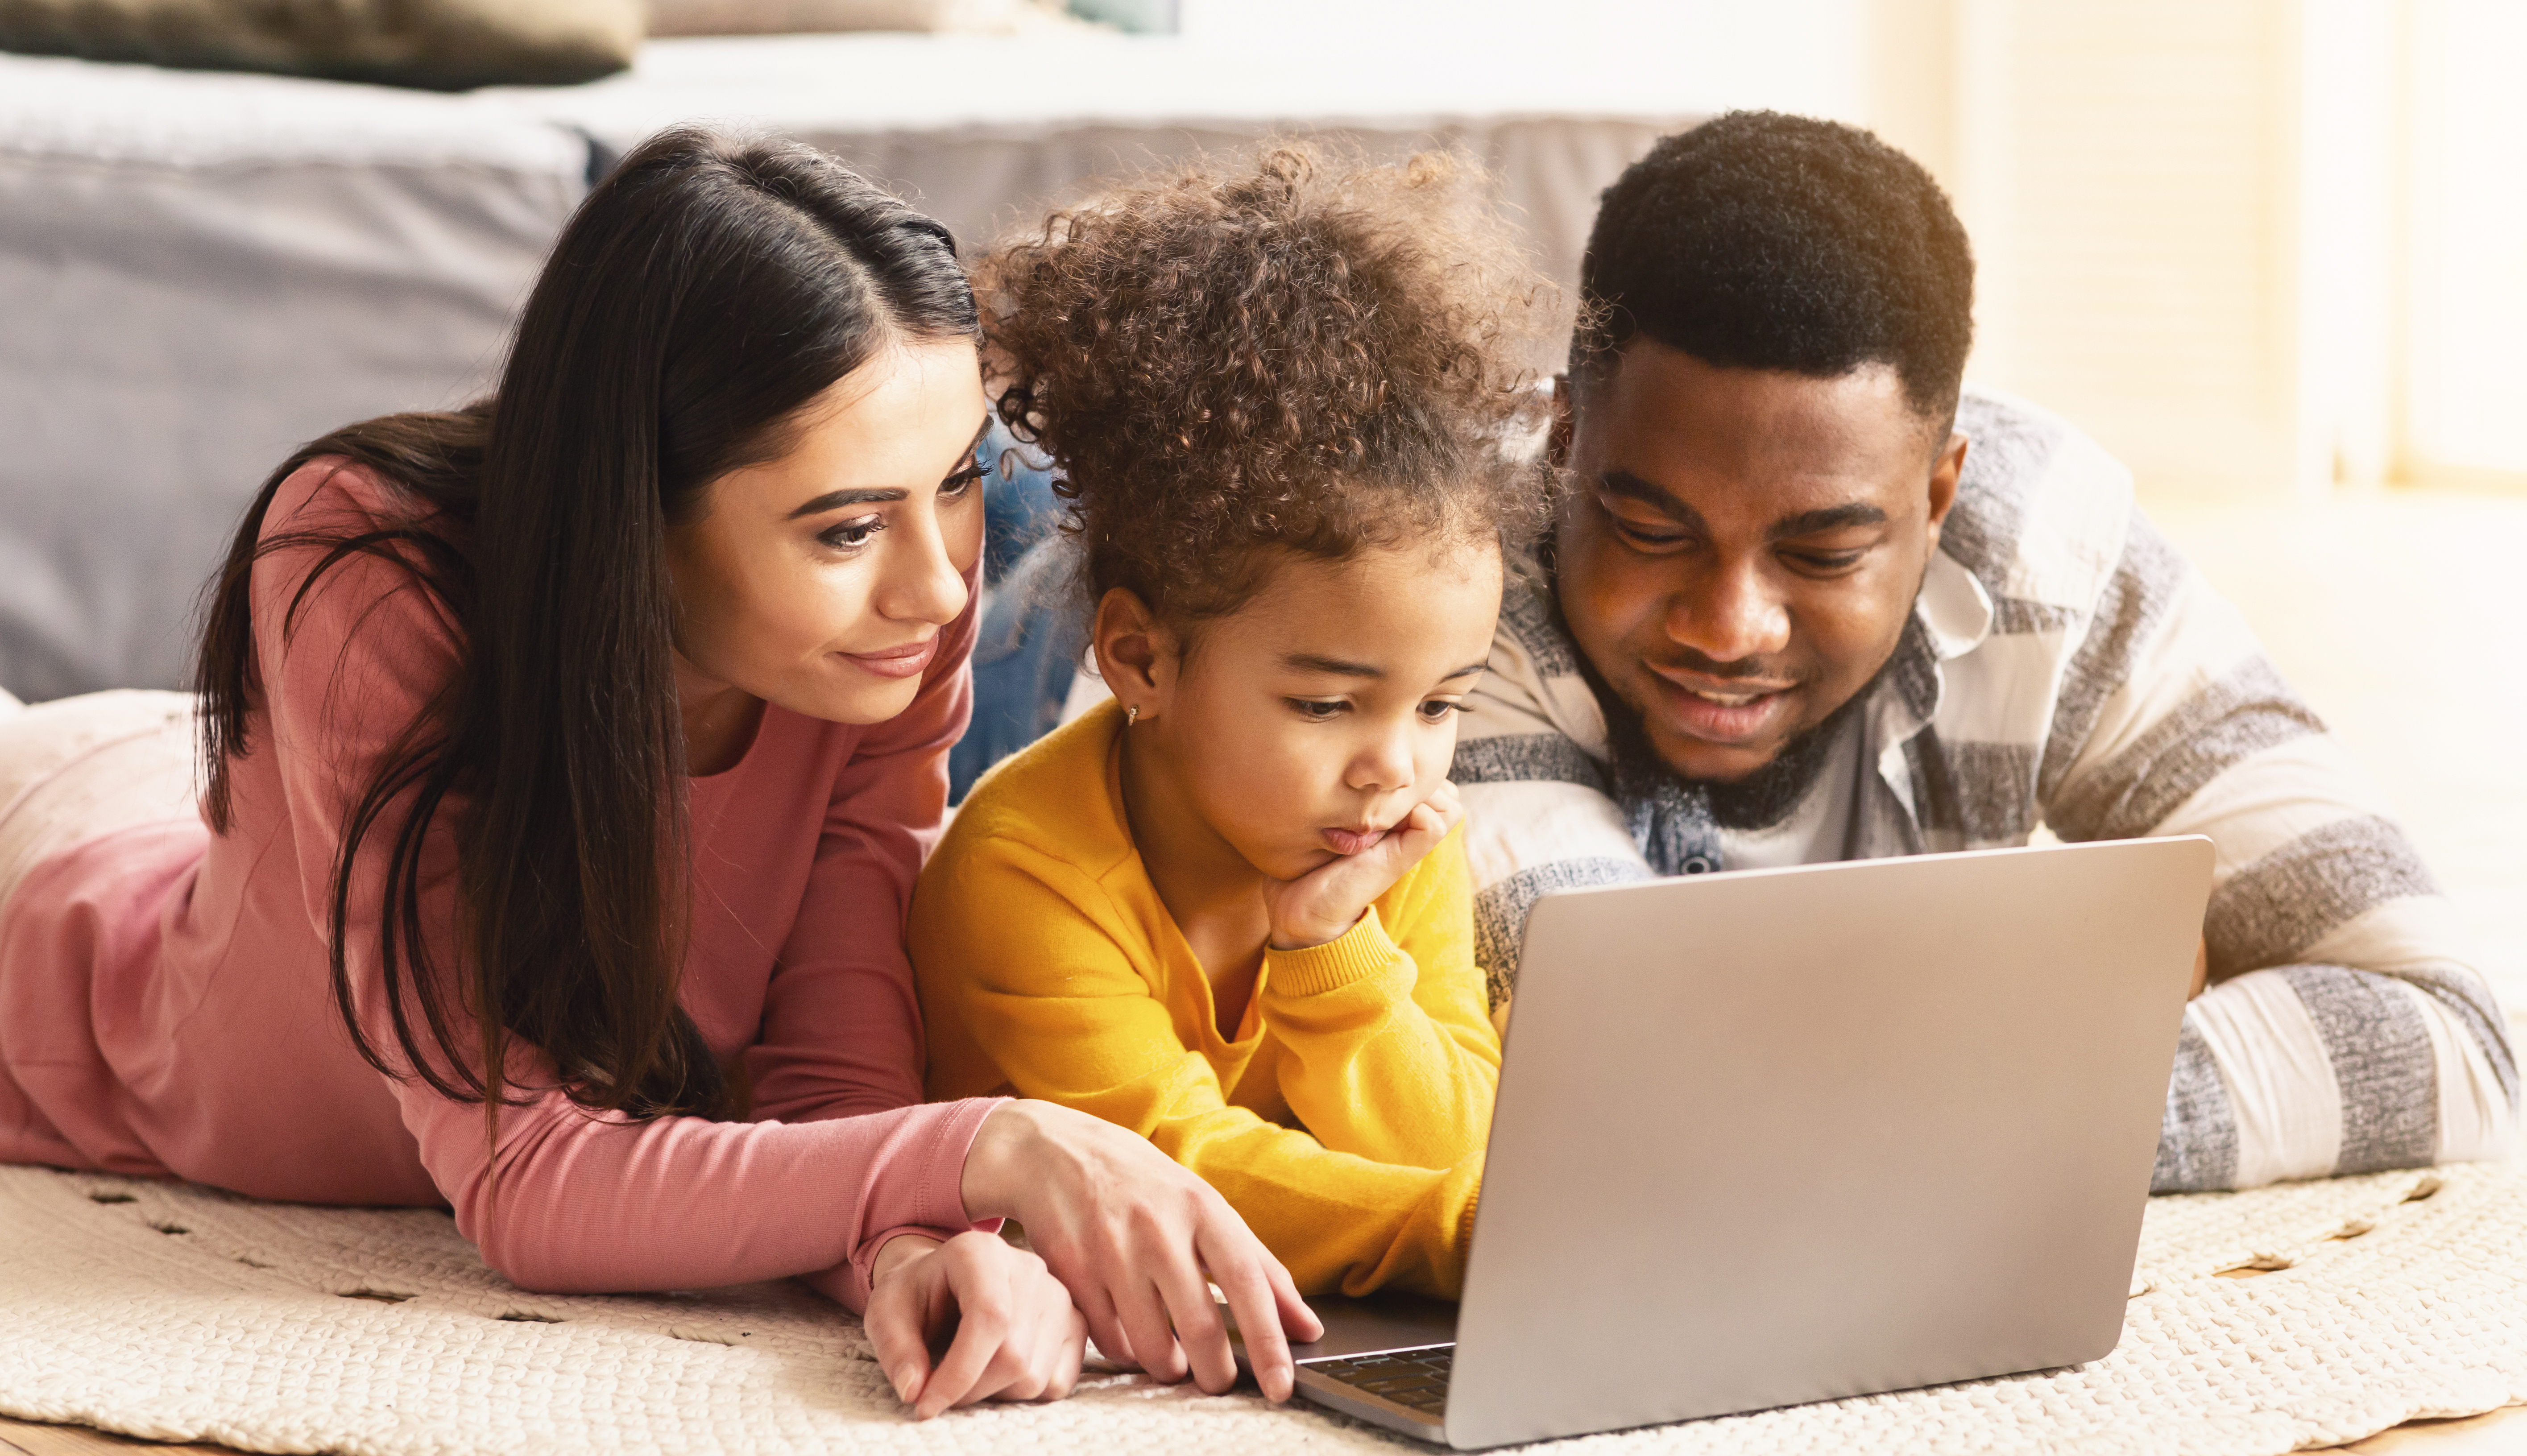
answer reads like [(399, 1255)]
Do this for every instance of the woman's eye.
[(1312, 710), (850, 536), (956, 486)]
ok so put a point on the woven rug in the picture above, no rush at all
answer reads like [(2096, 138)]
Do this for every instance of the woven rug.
[(179, 1313)]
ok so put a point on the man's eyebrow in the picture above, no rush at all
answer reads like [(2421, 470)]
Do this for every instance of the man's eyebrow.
[(837, 499), (1633, 488), (1830, 518)]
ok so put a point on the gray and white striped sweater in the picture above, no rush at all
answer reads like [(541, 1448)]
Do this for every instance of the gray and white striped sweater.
[(2065, 667)]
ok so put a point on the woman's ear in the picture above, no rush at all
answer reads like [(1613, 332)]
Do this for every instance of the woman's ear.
[(1136, 653)]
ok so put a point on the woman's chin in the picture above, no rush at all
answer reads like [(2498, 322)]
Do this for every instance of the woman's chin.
[(860, 703)]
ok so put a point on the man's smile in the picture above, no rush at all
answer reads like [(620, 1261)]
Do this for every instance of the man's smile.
[(1723, 711)]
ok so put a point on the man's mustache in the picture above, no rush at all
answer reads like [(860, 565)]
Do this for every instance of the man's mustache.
[(1755, 668)]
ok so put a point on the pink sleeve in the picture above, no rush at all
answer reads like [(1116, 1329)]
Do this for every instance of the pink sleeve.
[(844, 965), (583, 1201)]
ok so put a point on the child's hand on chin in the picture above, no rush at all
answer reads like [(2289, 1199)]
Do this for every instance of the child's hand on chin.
[(1323, 904)]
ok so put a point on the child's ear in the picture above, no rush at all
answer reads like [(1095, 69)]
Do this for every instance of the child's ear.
[(1136, 653)]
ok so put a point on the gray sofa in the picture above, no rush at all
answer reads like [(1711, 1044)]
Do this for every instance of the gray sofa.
[(198, 272)]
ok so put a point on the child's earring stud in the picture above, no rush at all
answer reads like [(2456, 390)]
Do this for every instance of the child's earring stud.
[(1131, 715)]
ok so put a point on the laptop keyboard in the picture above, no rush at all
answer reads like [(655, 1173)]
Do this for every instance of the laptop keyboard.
[(1417, 1380)]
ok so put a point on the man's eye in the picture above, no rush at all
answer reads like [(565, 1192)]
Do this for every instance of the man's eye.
[(1642, 533), (850, 536), (1312, 710), (1825, 563)]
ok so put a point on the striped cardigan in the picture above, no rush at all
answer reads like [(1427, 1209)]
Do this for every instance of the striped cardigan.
[(2064, 667)]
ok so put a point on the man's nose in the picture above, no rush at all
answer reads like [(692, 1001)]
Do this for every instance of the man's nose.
[(1730, 612)]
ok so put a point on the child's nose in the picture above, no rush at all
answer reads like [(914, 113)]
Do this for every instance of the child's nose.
[(1384, 765)]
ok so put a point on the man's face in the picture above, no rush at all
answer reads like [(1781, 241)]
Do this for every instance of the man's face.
[(1740, 548)]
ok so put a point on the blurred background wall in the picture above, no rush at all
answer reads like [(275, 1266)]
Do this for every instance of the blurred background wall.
[(2260, 247)]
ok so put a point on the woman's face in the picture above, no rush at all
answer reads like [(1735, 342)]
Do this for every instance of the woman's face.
[(820, 581)]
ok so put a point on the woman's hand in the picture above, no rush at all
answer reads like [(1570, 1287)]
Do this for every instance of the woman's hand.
[(1018, 1336), (1133, 1236), (1323, 904)]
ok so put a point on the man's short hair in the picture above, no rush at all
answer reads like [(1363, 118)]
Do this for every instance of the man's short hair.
[(1759, 240)]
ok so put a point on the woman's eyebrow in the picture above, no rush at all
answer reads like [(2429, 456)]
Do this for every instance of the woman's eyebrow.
[(837, 499)]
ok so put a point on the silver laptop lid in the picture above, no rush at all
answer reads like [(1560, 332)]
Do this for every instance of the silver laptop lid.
[(1789, 1136)]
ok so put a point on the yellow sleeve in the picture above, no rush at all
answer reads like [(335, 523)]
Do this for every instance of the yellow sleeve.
[(1027, 961), (1388, 1050)]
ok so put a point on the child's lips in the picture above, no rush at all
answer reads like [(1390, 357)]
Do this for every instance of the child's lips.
[(1350, 841)]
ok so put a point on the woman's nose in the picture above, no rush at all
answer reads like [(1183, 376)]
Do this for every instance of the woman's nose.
[(922, 582)]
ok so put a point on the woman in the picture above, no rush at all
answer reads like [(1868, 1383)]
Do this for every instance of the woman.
[(570, 759)]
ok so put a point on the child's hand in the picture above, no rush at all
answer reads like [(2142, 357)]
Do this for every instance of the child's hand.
[(1017, 1334), (1324, 903)]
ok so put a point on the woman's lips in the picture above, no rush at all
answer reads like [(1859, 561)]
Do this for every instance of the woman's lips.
[(1722, 711), (1350, 841), (907, 660)]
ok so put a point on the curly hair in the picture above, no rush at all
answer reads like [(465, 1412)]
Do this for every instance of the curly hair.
[(1301, 354), (1759, 240)]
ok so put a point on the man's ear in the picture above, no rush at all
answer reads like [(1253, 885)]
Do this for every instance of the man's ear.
[(1557, 440), (1945, 470), (1136, 653)]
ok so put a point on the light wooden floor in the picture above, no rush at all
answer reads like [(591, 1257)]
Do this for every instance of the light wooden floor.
[(2403, 618)]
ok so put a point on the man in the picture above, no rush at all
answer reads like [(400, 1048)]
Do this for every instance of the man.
[(1807, 600)]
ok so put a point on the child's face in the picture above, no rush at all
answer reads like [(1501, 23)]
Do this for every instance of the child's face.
[(1314, 718)]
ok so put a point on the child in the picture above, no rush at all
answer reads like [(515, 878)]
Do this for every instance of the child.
[(1230, 910)]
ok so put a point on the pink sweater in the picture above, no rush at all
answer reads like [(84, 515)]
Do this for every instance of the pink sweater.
[(164, 1008)]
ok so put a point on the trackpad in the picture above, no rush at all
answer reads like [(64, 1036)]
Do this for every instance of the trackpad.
[(1371, 1326)]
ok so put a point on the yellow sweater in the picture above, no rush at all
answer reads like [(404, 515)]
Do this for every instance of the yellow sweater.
[(1346, 1121)]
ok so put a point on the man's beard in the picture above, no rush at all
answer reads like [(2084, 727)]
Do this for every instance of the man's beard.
[(1759, 800)]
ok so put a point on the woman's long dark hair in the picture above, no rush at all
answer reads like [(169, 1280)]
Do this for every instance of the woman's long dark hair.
[(704, 292)]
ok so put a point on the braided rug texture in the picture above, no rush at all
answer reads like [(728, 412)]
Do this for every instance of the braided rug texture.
[(179, 1313)]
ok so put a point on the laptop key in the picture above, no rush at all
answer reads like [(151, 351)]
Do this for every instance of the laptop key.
[(1417, 1380)]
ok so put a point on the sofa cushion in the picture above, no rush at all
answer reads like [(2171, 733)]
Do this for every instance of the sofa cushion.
[(440, 44)]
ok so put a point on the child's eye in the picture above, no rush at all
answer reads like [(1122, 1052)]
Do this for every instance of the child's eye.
[(1436, 711), (850, 536), (1314, 710)]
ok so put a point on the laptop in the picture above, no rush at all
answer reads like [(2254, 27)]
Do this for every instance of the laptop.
[(1789, 1136)]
